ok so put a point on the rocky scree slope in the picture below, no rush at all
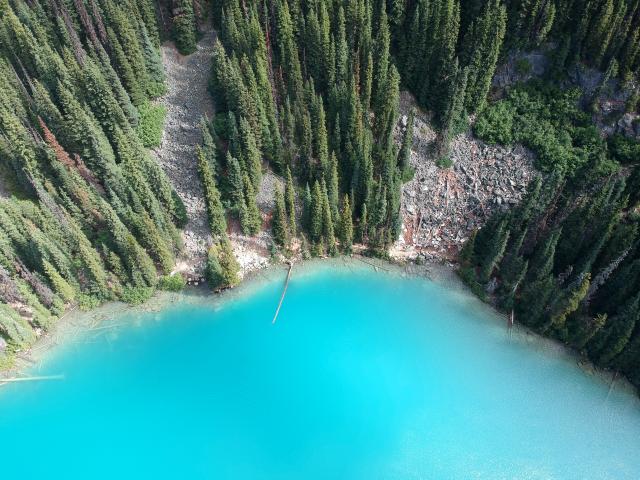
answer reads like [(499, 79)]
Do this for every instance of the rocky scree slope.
[(441, 207)]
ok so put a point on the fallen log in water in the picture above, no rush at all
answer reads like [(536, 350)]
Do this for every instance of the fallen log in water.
[(32, 379), (286, 284)]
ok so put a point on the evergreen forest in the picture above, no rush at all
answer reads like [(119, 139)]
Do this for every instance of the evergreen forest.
[(309, 90)]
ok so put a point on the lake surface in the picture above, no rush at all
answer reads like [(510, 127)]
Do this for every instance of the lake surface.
[(365, 375)]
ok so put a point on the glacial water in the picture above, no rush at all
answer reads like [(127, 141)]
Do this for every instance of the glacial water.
[(365, 375)]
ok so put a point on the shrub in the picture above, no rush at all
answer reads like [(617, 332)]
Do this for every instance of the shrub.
[(408, 174), (136, 295), (523, 66), (547, 120), (172, 283), (623, 149), (495, 124), (444, 162), (88, 301), (151, 124)]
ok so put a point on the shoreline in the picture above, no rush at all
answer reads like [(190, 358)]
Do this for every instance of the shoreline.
[(77, 323)]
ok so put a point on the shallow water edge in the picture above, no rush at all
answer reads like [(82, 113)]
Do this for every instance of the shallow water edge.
[(78, 326)]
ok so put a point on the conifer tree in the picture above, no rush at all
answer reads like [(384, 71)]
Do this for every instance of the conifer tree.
[(215, 211), (250, 153), (184, 26), (250, 218), (289, 195), (492, 256), (316, 217), (222, 267), (346, 226), (279, 223), (234, 179), (328, 230)]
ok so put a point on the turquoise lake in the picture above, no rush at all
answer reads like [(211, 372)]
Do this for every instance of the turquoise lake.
[(365, 375)]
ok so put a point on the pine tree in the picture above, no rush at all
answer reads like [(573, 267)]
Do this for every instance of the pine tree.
[(250, 218), (250, 153), (492, 256), (611, 340), (328, 230), (315, 220), (333, 188), (566, 303), (307, 201), (363, 225)]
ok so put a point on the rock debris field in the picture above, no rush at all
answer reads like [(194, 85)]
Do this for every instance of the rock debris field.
[(441, 207), (187, 100)]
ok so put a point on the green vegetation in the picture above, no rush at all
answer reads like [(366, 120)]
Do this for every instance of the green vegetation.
[(184, 26), (222, 267), (92, 216), (548, 120), (172, 283), (567, 262), (151, 124), (136, 295)]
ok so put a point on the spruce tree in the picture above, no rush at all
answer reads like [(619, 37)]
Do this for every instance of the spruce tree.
[(222, 267), (289, 195), (279, 223), (250, 218), (345, 229), (184, 26), (215, 211), (328, 230), (316, 217)]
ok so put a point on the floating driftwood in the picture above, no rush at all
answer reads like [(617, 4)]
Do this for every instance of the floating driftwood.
[(32, 379), (286, 284)]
